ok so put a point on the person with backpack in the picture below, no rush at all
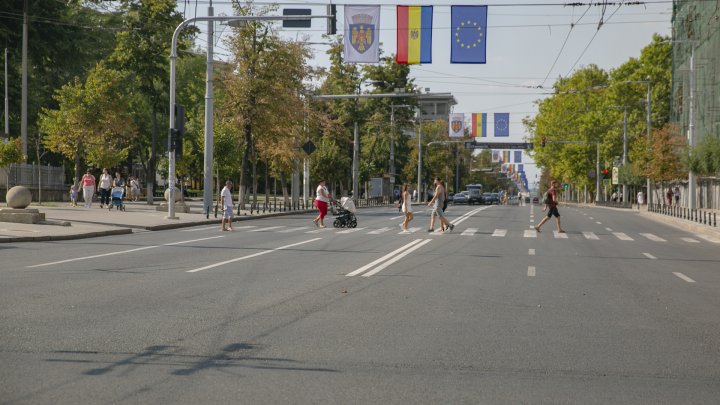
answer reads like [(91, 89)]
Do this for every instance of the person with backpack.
[(551, 202)]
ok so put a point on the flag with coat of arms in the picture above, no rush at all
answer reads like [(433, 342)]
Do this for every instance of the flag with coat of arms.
[(457, 125), (361, 40)]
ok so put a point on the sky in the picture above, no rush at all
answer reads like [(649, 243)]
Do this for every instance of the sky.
[(530, 43)]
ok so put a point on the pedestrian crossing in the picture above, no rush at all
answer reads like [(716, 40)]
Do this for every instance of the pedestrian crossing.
[(478, 232)]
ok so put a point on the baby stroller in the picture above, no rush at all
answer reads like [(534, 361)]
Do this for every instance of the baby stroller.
[(116, 195), (345, 213)]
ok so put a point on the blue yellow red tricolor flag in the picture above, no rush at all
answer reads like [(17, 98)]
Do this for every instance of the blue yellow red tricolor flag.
[(414, 34), (479, 125)]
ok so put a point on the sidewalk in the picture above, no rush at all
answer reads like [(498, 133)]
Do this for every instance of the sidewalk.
[(64, 222)]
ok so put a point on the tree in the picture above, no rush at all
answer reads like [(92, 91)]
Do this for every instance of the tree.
[(142, 51), (665, 157), (92, 120)]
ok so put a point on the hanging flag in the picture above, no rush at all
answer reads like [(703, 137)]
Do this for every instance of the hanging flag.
[(495, 156), (479, 125), (518, 156), (520, 169), (502, 124), (506, 156), (468, 34), (361, 40), (457, 125), (414, 34)]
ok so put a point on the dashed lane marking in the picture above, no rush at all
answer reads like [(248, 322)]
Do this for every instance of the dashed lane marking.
[(469, 232), (531, 252), (653, 238), (690, 240), (590, 235), (559, 235), (379, 231), (683, 277), (530, 233), (531, 271), (500, 233), (269, 228), (622, 236), (649, 256)]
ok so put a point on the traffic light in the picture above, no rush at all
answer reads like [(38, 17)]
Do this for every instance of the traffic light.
[(178, 131), (605, 173), (332, 20), (542, 141)]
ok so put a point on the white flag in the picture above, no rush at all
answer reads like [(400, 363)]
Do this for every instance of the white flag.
[(361, 41), (457, 125)]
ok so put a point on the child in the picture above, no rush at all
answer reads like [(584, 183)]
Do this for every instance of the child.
[(73, 195)]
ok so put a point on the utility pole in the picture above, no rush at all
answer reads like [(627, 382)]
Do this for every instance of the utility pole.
[(648, 125), (421, 192), (209, 135), (7, 101), (624, 158), (24, 101), (692, 186)]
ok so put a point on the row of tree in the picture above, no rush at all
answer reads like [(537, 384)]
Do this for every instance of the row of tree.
[(588, 108)]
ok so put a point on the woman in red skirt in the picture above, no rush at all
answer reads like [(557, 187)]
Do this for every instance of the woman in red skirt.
[(322, 199)]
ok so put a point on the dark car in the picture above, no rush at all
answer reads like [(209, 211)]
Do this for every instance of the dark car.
[(536, 200), (491, 198), (495, 198), (475, 197), (460, 198)]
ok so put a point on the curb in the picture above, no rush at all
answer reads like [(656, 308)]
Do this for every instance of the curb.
[(121, 231)]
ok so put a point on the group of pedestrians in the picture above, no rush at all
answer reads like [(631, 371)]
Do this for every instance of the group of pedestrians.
[(103, 186)]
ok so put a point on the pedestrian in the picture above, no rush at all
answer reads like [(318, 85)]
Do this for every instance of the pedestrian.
[(406, 208), (640, 198), (88, 185), (73, 195), (551, 205), (118, 181), (134, 188), (226, 202), (614, 196), (437, 203), (669, 196), (415, 196), (676, 195), (104, 186), (322, 199)]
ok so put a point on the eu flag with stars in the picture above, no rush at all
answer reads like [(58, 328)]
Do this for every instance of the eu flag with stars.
[(502, 125), (468, 34)]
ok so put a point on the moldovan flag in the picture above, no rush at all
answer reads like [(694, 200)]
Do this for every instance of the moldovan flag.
[(361, 40), (414, 35), (457, 125), (479, 125)]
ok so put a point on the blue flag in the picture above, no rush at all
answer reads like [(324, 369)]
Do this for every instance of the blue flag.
[(468, 34), (502, 124), (518, 156)]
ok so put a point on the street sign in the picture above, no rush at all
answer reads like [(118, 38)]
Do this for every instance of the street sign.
[(498, 145), (615, 176), (309, 147), (297, 23)]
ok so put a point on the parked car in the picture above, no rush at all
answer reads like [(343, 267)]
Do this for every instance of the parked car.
[(536, 200), (495, 198), (487, 198), (460, 198)]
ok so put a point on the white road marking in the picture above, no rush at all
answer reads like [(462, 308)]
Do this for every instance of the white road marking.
[(386, 257), (394, 218), (683, 277), (396, 258), (379, 231), (559, 235), (269, 228), (500, 233), (590, 235), (264, 252), (653, 237), (531, 271), (690, 240), (121, 252), (409, 231), (622, 236), (200, 229), (591, 218), (598, 222), (413, 230), (469, 232), (351, 230), (608, 229), (531, 252), (467, 215), (649, 256), (530, 233), (299, 228)]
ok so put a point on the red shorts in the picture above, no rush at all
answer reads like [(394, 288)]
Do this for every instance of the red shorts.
[(322, 206)]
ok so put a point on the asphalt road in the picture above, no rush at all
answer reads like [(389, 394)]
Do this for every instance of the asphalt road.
[(622, 310)]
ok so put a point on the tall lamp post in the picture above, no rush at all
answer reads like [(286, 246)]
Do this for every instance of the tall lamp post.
[(391, 167)]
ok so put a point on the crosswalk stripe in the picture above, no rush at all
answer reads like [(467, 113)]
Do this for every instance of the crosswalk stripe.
[(690, 240), (530, 233), (683, 277), (299, 228), (500, 233), (469, 232), (410, 230), (269, 228), (350, 230), (379, 231), (653, 238), (559, 235), (590, 235), (622, 236)]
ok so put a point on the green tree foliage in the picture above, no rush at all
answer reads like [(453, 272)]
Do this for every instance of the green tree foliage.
[(667, 147), (704, 158), (11, 152), (92, 120)]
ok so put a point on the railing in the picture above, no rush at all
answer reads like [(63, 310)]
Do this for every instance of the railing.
[(614, 204), (703, 217), (280, 205)]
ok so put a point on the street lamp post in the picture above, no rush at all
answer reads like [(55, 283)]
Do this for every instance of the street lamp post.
[(391, 167), (624, 155)]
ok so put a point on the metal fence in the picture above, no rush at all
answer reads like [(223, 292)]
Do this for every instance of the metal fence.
[(33, 176), (703, 217)]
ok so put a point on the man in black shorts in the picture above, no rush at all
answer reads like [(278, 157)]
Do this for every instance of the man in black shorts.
[(551, 207)]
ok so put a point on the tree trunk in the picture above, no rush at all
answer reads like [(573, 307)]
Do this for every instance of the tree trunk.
[(150, 174), (283, 184)]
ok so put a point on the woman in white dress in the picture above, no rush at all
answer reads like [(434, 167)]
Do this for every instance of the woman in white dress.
[(406, 207)]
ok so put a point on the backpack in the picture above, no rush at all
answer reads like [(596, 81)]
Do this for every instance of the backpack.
[(547, 199)]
